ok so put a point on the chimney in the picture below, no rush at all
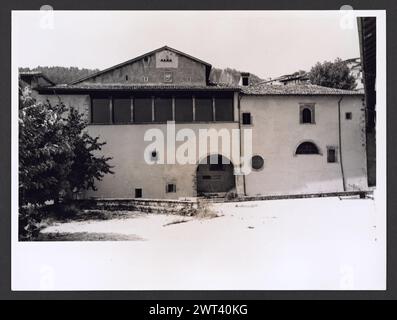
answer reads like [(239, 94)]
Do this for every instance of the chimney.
[(245, 76)]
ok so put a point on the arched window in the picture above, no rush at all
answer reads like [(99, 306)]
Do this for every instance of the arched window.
[(306, 115), (307, 148)]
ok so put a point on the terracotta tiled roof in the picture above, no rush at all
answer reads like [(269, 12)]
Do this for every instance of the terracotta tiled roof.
[(38, 74), (298, 89), (260, 90), (140, 87)]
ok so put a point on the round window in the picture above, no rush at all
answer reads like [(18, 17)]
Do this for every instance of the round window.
[(257, 162)]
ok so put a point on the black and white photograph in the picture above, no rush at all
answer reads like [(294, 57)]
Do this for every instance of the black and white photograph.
[(198, 150)]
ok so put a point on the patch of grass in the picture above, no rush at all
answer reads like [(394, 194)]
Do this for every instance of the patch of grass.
[(86, 215), (203, 211), (86, 236)]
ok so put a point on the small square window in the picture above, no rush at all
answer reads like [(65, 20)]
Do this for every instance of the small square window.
[(348, 115), (331, 155), (145, 79), (138, 193), (246, 118), (171, 187)]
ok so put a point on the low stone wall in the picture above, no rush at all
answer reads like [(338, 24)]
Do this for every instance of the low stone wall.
[(361, 194), (184, 206), (142, 205)]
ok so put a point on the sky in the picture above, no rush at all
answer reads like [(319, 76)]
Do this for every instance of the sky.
[(266, 43)]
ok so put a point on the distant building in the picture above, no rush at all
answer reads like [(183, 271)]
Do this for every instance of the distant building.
[(305, 138), (302, 77), (295, 78)]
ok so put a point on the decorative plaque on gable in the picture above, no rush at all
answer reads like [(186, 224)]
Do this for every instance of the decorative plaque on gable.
[(166, 59)]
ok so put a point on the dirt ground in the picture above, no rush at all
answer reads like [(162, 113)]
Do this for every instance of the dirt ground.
[(321, 243)]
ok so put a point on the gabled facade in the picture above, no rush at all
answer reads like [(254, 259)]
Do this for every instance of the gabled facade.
[(305, 139)]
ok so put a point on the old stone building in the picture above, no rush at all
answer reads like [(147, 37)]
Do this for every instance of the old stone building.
[(305, 138)]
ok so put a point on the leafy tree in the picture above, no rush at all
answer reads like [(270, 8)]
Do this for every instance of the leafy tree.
[(57, 157), (332, 74)]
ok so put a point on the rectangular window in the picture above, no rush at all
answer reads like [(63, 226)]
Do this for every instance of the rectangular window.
[(171, 187), (183, 109), (204, 109), (224, 109), (348, 115), (162, 109), (331, 155), (142, 110), (100, 110), (246, 118), (121, 110), (138, 193)]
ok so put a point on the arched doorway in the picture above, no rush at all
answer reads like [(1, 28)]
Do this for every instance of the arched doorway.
[(215, 174)]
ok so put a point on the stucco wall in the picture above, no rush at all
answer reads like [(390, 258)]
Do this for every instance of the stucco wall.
[(125, 143), (277, 132)]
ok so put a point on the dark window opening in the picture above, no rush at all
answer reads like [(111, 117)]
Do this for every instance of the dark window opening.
[(163, 109), (171, 187), (138, 193), (257, 162), (142, 110), (224, 109), (183, 109), (246, 118), (306, 115), (126, 77), (100, 110), (245, 81), (121, 110), (348, 115), (204, 109), (331, 155), (307, 148)]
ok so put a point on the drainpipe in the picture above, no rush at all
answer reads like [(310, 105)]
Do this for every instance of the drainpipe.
[(340, 144), (239, 127)]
